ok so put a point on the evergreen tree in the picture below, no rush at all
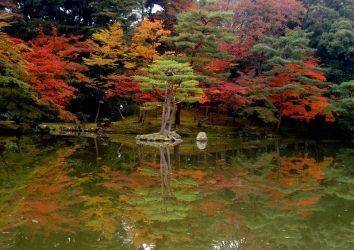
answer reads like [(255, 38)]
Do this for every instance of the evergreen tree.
[(174, 83), (73, 17), (330, 24), (336, 48), (293, 47), (343, 106), (200, 33)]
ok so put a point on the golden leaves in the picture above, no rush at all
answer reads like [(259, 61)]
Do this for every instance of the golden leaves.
[(111, 45), (146, 39)]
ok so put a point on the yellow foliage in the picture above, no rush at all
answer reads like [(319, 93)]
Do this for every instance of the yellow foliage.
[(109, 47), (146, 39), (3, 19), (10, 52)]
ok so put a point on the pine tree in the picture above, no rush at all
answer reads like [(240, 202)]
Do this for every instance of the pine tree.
[(343, 106), (174, 83), (200, 32)]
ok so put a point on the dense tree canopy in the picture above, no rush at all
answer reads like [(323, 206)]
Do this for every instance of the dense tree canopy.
[(331, 24), (259, 61)]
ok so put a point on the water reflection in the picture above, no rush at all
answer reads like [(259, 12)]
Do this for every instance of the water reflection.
[(76, 193)]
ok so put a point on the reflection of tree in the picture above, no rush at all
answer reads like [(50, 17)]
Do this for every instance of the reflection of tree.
[(297, 182), (40, 204), (165, 171), (340, 177), (294, 197)]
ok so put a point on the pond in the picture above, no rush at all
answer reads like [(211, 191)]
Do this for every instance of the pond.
[(234, 193)]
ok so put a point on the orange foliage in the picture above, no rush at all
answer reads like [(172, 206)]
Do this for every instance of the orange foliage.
[(145, 40), (174, 7), (45, 199), (294, 169), (302, 172), (298, 99), (195, 174)]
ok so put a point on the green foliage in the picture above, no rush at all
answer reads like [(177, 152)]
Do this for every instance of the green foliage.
[(199, 34), (336, 47), (290, 48), (125, 11), (17, 101), (80, 16), (263, 113), (175, 79), (343, 105), (330, 24)]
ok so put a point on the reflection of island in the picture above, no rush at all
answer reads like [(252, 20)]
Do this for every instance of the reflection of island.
[(242, 195), (165, 162)]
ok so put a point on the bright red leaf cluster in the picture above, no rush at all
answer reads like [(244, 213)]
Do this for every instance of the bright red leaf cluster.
[(300, 100), (51, 63)]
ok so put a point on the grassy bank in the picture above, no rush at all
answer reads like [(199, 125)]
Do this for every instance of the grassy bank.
[(189, 126)]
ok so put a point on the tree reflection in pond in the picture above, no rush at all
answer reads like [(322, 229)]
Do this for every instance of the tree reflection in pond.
[(75, 193)]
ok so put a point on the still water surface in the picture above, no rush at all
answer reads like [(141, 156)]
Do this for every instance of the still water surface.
[(85, 193)]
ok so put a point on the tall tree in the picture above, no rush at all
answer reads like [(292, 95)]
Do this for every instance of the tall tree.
[(18, 101), (52, 63), (201, 34), (109, 54), (74, 17), (343, 106), (336, 48), (254, 19)]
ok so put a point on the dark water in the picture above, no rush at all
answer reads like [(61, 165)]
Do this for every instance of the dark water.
[(81, 193)]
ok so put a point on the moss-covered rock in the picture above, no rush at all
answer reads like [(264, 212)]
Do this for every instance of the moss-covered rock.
[(168, 136)]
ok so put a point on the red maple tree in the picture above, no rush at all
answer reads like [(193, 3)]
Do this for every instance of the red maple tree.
[(255, 18), (223, 95), (51, 62), (296, 93)]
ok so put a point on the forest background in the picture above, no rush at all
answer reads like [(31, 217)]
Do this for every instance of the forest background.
[(277, 65)]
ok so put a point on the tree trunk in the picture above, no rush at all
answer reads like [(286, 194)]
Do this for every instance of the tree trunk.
[(280, 113), (98, 111), (166, 113), (163, 119), (178, 115), (121, 114), (174, 109), (279, 122)]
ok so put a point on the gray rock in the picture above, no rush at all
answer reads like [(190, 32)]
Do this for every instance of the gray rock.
[(202, 136), (175, 136), (201, 145)]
